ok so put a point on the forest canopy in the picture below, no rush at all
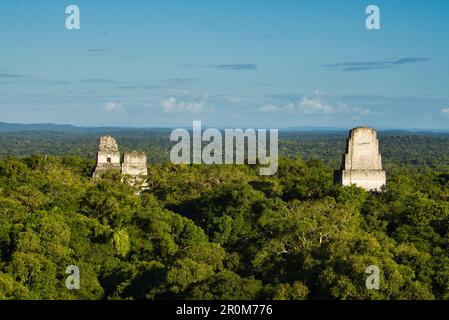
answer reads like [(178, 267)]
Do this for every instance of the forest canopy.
[(224, 232)]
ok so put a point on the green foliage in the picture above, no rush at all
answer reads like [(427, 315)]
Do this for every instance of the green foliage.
[(121, 242), (220, 232)]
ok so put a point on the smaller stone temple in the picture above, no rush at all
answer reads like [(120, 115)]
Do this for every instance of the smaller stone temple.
[(362, 162), (134, 163)]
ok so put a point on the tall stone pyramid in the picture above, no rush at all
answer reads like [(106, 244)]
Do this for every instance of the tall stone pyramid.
[(108, 156), (362, 162)]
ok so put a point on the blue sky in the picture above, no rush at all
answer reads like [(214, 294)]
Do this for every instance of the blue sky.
[(265, 64)]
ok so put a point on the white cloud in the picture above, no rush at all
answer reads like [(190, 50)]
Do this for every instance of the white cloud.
[(180, 91), (290, 107), (171, 105), (270, 108), (361, 111), (112, 106), (445, 112), (342, 108), (235, 99), (314, 106), (305, 106)]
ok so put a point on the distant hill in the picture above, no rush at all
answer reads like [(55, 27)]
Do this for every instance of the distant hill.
[(313, 128), (66, 128), (14, 127)]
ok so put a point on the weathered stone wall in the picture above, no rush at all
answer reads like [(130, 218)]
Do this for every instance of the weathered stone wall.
[(108, 156), (135, 164), (362, 162), (362, 151), (370, 180)]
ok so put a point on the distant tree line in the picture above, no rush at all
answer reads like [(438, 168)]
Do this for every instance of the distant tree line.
[(421, 151)]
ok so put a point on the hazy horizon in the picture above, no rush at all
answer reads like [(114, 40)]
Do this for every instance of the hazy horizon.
[(292, 128)]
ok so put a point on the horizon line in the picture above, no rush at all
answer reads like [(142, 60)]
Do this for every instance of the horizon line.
[(293, 128)]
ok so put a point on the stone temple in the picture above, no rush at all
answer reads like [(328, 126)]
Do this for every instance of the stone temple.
[(108, 158), (135, 164), (362, 163)]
